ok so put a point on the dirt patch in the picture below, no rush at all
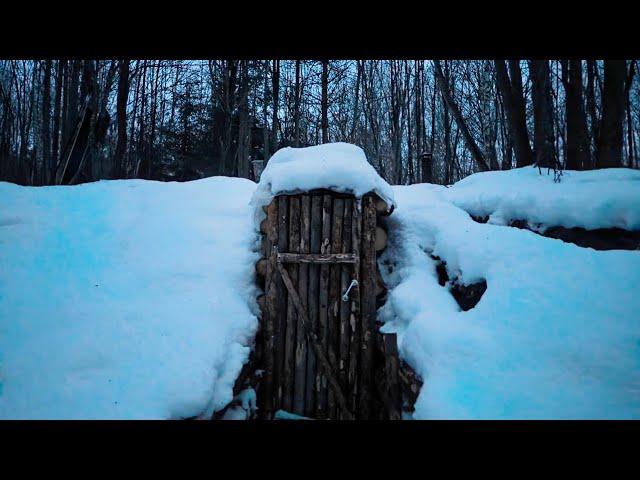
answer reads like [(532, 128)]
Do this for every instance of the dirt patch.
[(598, 239), (467, 295)]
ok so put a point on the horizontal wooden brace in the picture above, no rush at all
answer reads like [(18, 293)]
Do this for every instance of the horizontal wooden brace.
[(321, 258)]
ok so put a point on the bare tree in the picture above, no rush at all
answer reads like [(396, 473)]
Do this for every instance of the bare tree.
[(513, 102), (457, 116), (578, 151), (611, 127), (543, 134), (121, 118), (325, 101)]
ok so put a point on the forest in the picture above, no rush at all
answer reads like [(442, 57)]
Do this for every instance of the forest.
[(75, 121)]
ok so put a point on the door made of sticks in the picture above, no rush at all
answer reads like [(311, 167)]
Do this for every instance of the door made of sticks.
[(320, 305)]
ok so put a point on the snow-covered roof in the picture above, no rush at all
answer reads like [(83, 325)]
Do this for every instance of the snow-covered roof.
[(341, 167)]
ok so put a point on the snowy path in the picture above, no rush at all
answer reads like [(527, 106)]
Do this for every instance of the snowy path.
[(556, 334), (124, 299)]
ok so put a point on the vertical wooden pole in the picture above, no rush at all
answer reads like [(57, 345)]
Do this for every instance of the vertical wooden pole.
[(323, 309), (392, 363), (281, 303), (270, 312), (292, 314), (314, 279), (299, 386), (346, 275), (334, 291), (354, 319), (368, 275)]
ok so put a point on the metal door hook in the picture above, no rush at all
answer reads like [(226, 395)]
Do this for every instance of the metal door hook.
[(345, 296)]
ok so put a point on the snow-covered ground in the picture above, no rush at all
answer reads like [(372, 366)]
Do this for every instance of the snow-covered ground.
[(589, 199), (124, 299), (135, 299), (557, 332)]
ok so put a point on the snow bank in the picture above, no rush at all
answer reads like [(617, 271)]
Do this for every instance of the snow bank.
[(556, 334), (590, 199), (124, 299), (340, 167)]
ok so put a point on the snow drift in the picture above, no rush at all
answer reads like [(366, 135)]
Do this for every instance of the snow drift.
[(589, 199), (135, 299), (124, 299), (556, 335)]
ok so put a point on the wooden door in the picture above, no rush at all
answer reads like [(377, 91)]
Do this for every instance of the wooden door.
[(319, 318)]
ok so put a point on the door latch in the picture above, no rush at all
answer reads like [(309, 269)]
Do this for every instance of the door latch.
[(345, 296)]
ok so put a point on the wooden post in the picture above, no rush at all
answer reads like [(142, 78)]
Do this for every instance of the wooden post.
[(290, 329), (281, 302), (323, 310), (393, 393), (346, 275), (367, 274), (299, 386), (354, 341), (270, 313), (426, 160), (314, 279), (334, 289), (257, 168)]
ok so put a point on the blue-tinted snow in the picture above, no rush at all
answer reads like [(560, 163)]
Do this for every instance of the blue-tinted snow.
[(556, 334), (124, 299)]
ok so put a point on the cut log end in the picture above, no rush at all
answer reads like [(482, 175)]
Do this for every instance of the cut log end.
[(381, 239), (381, 207), (261, 267), (262, 302)]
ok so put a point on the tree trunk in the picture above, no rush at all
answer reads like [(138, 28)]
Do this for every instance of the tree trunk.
[(56, 120), (46, 120), (72, 101), (611, 126), (325, 101), (543, 136), (296, 110), (591, 109), (356, 103), (275, 82), (265, 120), (627, 90), (121, 118), (578, 151), (512, 102), (487, 116), (476, 153), (243, 127)]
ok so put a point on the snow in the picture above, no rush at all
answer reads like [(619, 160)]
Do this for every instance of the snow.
[(245, 405), (135, 299), (588, 199), (235, 412), (284, 415), (124, 299), (556, 335), (340, 167)]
